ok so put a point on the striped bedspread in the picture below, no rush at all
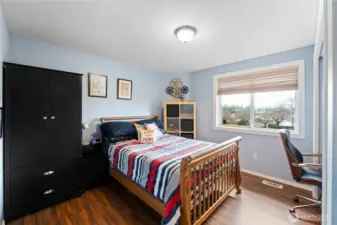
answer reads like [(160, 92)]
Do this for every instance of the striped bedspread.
[(155, 167)]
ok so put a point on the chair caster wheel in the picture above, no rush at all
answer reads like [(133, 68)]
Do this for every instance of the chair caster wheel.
[(293, 217), (296, 199)]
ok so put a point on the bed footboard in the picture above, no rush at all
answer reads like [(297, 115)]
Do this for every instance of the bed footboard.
[(207, 179)]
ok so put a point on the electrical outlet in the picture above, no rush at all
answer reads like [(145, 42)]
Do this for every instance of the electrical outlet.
[(272, 184), (255, 156)]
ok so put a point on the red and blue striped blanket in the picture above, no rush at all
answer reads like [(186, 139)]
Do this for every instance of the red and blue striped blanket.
[(155, 167)]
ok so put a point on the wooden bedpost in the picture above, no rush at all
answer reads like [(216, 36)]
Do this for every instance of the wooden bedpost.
[(185, 196), (238, 177)]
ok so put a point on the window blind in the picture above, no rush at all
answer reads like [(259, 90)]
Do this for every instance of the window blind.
[(280, 79)]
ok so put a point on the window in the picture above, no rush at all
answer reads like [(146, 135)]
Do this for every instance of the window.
[(262, 100), (235, 109)]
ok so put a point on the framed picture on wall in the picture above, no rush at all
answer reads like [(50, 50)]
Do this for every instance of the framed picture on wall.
[(124, 89), (98, 85)]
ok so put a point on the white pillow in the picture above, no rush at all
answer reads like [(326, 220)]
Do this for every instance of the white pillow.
[(153, 126)]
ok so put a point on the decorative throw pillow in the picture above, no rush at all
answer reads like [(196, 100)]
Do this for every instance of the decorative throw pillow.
[(153, 126), (139, 128), (147, 136)]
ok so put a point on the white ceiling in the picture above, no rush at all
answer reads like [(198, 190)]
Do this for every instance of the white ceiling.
[(141, 32)]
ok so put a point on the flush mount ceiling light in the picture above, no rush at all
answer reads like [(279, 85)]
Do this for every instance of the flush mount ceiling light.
[(185, 33)]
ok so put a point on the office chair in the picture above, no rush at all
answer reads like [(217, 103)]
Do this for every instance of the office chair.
[(304, 173)]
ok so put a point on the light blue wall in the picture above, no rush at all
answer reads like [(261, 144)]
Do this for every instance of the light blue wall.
[(3, 56), (148, 86), (149, 95), (271, 156), (321, 85), (332, 152)]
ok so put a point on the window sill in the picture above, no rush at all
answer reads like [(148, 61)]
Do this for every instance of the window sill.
[(267, 132)]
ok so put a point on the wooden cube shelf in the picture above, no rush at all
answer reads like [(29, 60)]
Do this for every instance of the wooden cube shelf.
[(180, 118)]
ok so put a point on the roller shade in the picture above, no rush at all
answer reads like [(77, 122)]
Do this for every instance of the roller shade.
[(280, 79)]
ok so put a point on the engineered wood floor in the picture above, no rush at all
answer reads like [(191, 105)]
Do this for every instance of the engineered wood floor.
[(114, 205)]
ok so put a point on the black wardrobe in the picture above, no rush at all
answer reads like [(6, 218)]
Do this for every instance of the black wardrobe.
[(42, 112)]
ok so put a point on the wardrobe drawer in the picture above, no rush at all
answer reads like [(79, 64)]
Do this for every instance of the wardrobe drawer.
[(29, 202), (39, 179), (31, 190)]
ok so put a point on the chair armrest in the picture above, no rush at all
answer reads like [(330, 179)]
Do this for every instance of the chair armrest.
[(312, 155), (308, 165)]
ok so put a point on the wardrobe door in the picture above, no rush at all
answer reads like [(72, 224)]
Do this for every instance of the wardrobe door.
[(25, 88), (64, 127), (25, 116)]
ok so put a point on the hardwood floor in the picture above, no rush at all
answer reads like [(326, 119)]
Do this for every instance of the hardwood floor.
[(114, 205)]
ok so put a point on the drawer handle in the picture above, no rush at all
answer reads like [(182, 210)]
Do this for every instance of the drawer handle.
[(48, 192), (48, 173)]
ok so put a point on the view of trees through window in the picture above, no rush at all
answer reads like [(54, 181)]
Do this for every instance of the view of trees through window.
[(273, 110)]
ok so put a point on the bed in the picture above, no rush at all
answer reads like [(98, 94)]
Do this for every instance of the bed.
[(183, 180)]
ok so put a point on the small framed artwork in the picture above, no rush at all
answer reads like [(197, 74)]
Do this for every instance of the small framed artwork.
[(124, 89), (98, 85)]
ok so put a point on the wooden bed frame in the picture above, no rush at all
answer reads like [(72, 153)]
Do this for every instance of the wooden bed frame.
[(223, 173)]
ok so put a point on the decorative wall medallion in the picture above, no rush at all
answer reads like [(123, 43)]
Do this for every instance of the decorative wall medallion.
[(177, 89)]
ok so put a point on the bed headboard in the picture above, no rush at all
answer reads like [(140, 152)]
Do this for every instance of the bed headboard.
[(131, 119)]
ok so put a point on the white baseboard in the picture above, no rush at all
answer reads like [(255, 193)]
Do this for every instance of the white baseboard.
[(279, 180)]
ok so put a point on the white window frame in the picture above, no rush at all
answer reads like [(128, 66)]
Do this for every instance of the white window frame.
[(299, 131)]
